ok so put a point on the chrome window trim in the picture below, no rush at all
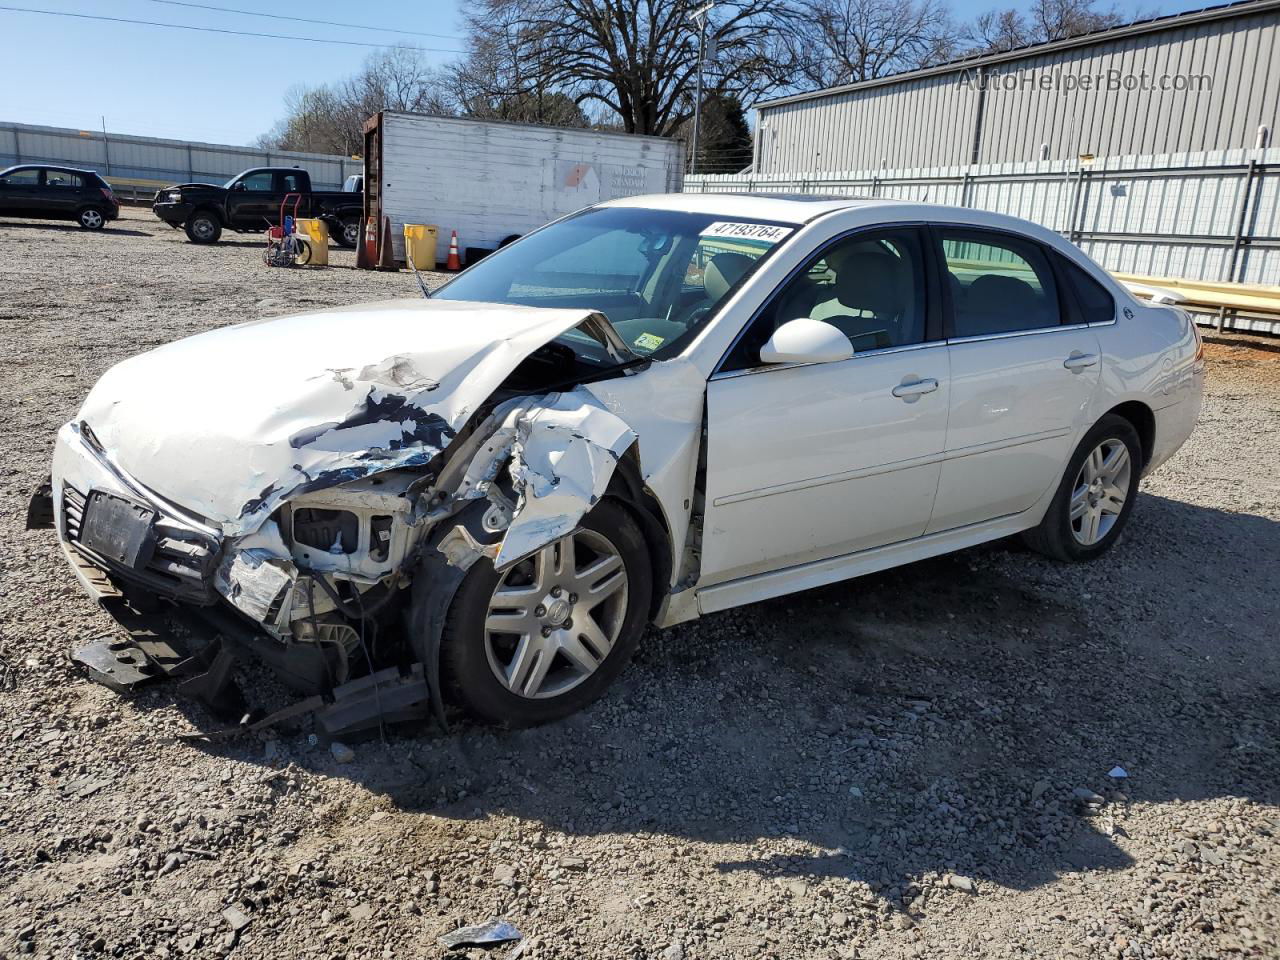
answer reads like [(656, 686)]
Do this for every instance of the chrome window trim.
[(879, 352), (1020, 333)]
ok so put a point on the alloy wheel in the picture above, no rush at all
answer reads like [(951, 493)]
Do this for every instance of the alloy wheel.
[(554, 617), (1098, 495), (91, 219)]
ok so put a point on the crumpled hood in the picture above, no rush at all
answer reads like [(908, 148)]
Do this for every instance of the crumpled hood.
[(233, 422)]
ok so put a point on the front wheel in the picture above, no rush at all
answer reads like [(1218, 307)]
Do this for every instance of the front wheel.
[(349, 235), (545, 637), (1096, 496), (91, 218), (203, 227)]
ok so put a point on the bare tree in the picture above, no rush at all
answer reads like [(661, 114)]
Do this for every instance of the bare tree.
[(1008, 29), (330, 118), (847, 41), (1059, 19), (632, 60), (998, 30)]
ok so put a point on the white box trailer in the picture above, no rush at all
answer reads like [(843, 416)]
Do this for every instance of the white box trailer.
[(492, 180)]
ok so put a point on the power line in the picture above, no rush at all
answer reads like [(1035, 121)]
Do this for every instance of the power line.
[(327, 23), (185, 26)]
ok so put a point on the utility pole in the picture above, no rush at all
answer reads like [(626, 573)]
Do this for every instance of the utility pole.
[(700, 18)]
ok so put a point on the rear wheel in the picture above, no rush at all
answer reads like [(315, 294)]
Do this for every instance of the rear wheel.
[(203, 227), (1096, 496), (545, 637), (349, 235), (91, 218)]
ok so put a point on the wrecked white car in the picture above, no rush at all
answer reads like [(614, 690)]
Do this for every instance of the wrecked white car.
[(655, 408)]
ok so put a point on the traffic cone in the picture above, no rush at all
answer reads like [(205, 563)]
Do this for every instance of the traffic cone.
[(454, 263)]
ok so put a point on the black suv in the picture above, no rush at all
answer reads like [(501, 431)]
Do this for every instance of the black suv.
[(57, 193)]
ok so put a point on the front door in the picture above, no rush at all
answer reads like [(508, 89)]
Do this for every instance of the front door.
[(253, 202), (19, 193), (1021, 378), (807, 462)]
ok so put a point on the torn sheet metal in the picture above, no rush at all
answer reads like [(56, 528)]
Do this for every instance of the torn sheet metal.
[(233, 422), (566, 449), (562, 449), (256, 577)]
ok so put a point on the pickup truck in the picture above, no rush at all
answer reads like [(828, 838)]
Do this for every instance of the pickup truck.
[(250, 202)]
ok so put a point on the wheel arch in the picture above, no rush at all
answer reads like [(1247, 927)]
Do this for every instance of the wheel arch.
[(1143, 419), (627, 487), (210, 208)]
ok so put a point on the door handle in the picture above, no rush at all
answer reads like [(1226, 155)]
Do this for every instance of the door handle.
[(913, 389), (1079, 361)]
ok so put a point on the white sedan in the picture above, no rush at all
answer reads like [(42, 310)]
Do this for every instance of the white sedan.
[(650, 410)]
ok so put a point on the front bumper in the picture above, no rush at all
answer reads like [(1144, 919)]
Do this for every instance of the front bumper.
[(174, 214), (124, 530)]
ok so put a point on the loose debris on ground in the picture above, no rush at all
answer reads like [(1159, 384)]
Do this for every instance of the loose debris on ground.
[(983, 755)]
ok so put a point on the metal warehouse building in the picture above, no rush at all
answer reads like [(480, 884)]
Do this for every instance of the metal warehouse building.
[(1202, 81)]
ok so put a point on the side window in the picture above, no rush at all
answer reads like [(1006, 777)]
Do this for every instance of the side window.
[(22, 178), (257, 182), (998, 283), (871, 287), (290, 183), (1088, 300), (60, 178)]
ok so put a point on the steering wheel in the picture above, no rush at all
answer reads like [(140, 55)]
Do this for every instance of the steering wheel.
[(696, 314)]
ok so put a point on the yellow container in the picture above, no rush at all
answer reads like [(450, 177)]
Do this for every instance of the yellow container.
[(420, 244), (316, 233)]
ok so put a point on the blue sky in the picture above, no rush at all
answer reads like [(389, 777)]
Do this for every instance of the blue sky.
[(68, 72)]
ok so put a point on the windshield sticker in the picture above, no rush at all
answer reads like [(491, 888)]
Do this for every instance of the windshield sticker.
[(648, 341), (747, 231)]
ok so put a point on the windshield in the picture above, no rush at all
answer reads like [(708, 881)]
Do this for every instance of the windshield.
[(658, 275)]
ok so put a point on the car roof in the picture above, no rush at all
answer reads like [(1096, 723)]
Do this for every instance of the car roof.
[(784, 207), (48, 166)]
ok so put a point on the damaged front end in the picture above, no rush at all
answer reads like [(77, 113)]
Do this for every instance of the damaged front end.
[(324, 533)]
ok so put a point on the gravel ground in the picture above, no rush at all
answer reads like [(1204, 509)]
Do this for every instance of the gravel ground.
[(915, 764)]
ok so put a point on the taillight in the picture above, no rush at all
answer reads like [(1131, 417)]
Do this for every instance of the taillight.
[(106, 192)]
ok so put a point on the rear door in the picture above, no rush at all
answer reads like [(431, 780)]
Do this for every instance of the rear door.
[(293, 185), (60, 194), (1022, 376)]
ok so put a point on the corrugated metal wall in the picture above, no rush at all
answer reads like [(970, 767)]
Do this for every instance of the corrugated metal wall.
[(1197, 216), (930, 120), (149, 158)]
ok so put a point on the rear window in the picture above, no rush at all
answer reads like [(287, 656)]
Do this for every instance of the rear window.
[(1088, 301)]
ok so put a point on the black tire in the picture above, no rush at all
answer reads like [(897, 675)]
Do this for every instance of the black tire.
[(348, 234), (1058, 535), (203, 227), (506, 240), (465, 651), (91, 218)]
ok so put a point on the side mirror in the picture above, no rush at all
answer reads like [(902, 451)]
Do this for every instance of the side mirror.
[(239, 185), (806, 341)]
